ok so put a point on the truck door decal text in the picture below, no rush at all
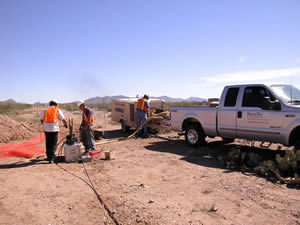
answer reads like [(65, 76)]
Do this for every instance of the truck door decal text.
[(256, 117)]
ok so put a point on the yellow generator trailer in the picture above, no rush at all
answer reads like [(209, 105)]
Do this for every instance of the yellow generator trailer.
[(124, 111)]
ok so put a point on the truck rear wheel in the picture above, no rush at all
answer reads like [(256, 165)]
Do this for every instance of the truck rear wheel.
[(124, 127), (297, 144), (194, 135)]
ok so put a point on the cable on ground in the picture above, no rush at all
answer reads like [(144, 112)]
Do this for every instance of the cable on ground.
[(90, 184)]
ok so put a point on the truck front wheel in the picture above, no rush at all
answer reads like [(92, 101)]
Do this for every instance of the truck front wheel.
[(194, 135)]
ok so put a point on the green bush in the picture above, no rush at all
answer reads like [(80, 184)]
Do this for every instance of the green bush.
[(69, 107), (101, 106), (73, 106), (12, 108)]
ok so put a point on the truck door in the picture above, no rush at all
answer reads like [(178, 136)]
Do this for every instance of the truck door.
[(227, 114), (256, 119)]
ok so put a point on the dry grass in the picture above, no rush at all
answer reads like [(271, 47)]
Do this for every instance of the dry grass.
[(99, 106), (13, 108)]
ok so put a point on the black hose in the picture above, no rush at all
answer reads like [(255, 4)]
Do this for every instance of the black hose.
[(90, 184)]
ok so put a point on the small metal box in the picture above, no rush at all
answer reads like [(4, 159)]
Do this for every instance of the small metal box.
[(72, 152)]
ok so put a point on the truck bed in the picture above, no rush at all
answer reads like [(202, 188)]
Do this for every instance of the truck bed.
[(206, 116)]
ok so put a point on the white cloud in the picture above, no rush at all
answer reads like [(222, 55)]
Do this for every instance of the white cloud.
[(250, 76), (241, 59)]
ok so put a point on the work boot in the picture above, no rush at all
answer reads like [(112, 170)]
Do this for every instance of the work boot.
[(86, 152), (52, 160), (146, 136)]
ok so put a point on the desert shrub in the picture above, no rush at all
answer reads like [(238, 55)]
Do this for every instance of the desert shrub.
[(97, 106), (13, 108), (69, 107), (101, 106)]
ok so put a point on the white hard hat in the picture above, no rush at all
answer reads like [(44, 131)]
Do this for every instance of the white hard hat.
[(80, 102), (54, 101)]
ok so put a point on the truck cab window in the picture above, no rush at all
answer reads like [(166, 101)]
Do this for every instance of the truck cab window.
[(231, 97), (256, 97)]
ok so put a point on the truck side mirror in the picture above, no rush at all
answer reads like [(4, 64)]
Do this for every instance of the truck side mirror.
[(271, 105), (267, 100), (275, 105), (265, 103)]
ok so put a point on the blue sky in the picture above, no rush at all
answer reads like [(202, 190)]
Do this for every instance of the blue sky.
[(73, 49)]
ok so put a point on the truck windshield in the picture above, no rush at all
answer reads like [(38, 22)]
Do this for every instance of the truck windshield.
[(287, 93)]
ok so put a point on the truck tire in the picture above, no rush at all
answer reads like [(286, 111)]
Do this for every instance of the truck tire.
[(124, 127), (194, 135), (297, 144)]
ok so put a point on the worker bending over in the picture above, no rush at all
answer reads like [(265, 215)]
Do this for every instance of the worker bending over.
[(86, 128), (50, 119), (142, 107)]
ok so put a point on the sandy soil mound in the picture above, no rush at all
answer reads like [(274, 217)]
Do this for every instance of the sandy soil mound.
[(11, 130)]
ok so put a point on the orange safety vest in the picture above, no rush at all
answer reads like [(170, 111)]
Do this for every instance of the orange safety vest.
[(141, 104), (86, 119), (51, 115)]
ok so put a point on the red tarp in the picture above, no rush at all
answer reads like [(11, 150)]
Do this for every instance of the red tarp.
[(28, 149)]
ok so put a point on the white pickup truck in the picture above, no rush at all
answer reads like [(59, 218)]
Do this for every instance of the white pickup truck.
[(253, 111)]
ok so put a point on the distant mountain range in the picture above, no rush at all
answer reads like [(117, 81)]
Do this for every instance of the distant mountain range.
[(105, 99), (8, 101), (108, 99)]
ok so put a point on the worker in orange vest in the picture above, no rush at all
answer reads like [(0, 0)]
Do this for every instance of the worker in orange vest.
[(50, 119), (142, 108), (86, 128)]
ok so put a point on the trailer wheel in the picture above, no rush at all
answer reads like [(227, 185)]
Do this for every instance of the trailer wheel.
[(124, 127), (194, 135)]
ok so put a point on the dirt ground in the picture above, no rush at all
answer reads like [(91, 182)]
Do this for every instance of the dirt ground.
[(157, 180), (11, 130)]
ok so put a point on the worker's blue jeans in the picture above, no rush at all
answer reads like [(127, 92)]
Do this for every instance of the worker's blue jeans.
[(87, 138), (141, 117)]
